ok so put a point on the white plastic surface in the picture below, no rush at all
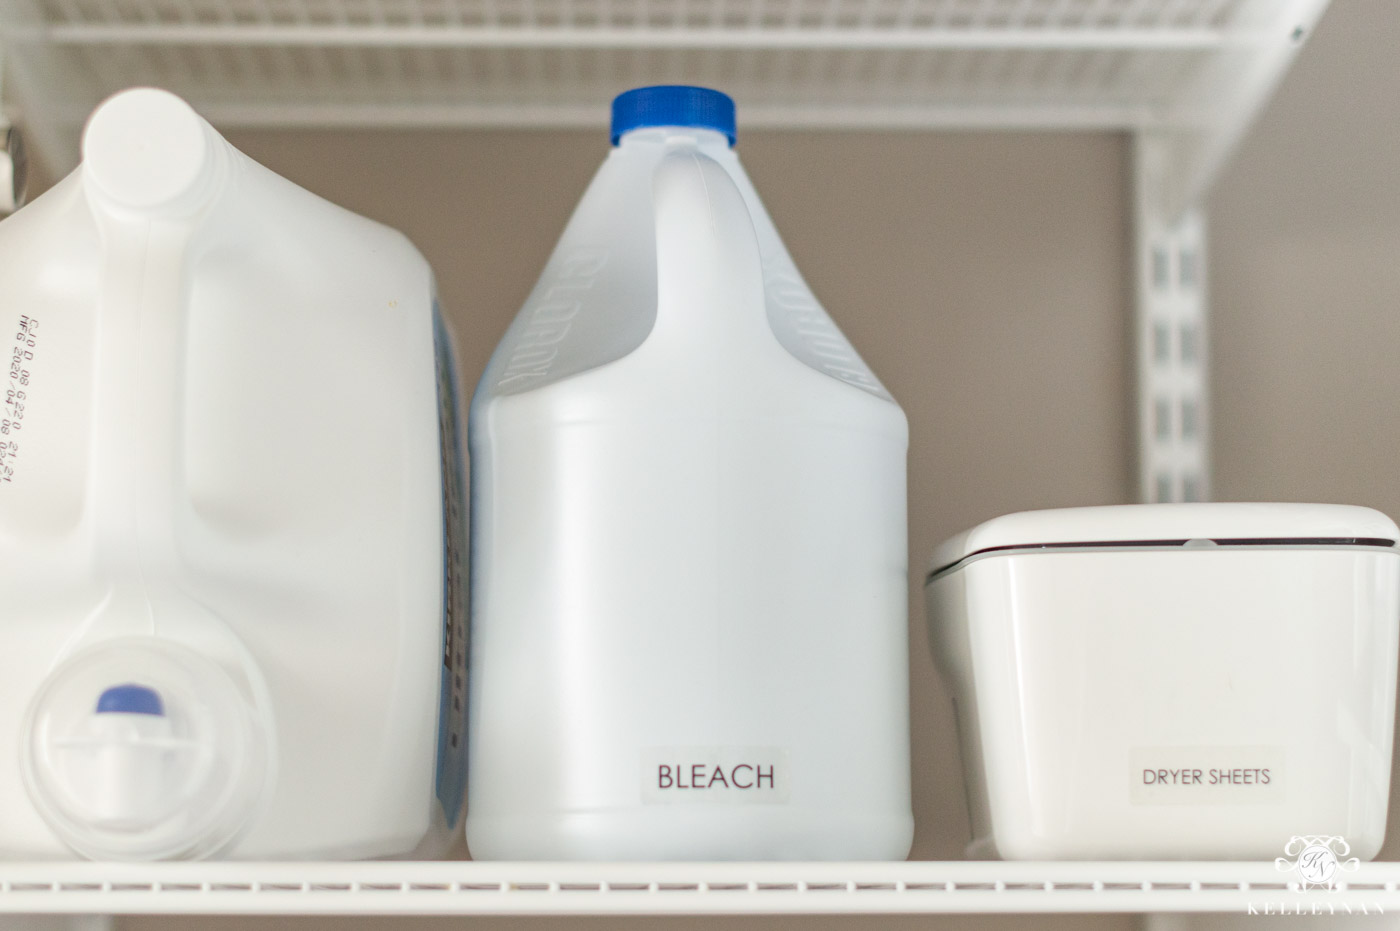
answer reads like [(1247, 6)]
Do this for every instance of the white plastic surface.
[(689, 545), (147, 150), (1186, 702), (1143, 522), (130, 767), (219, 443)]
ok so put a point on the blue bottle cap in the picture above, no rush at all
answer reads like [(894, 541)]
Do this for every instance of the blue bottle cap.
[(672, 105), (131, 699)]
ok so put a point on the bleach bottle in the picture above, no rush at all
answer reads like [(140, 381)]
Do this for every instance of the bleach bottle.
[(689, 613), (227, 623)]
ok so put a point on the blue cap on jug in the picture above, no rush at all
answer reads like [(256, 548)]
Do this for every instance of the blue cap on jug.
[(131, 699), (672, 105)]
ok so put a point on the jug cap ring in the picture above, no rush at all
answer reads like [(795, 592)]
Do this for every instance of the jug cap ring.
[(673, 105)]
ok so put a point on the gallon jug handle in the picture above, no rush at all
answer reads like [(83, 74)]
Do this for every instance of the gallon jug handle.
[(708, 267), (152, 167), (153, 173)]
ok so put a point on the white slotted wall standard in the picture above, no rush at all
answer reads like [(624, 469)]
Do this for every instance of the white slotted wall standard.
[(1170, 320)]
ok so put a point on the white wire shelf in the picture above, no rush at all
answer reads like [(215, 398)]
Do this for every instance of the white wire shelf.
[(1190, 66), (464, 888)]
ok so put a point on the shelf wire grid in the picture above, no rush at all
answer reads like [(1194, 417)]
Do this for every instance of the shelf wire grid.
[(747, 15), (683, 888), (1028, 63)]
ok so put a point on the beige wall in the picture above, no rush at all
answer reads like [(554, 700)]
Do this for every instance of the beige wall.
[(984, 276), (1305, 230)]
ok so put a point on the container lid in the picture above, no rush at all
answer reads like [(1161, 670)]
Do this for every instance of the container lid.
[(672, 105), (1167, 524)]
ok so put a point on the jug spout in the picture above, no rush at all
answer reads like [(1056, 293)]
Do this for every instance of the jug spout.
[(132, 754), (138, 748)]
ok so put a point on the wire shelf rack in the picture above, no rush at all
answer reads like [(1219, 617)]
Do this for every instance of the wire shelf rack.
[(1089, 64), (464, 888)]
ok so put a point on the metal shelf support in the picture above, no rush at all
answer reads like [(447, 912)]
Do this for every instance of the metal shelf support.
[(1170, 323)]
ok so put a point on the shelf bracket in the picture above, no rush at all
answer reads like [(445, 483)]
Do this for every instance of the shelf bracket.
[(12, 160), (8, 201), (1173, 410)]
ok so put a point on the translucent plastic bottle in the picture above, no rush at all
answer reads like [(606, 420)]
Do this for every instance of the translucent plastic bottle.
[(226, 441), (690, 568)]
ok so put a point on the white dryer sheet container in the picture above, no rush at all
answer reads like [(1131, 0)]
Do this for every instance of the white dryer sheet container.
[(1172, 681)]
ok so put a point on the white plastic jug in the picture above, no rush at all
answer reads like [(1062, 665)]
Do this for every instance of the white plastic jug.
[(689, 557), (226, 440)]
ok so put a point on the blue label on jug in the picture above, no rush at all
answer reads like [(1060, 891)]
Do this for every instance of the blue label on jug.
[(452, 736)]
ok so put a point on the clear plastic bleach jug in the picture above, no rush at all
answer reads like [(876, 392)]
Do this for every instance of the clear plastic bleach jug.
[(226, 440), (689, 592)]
